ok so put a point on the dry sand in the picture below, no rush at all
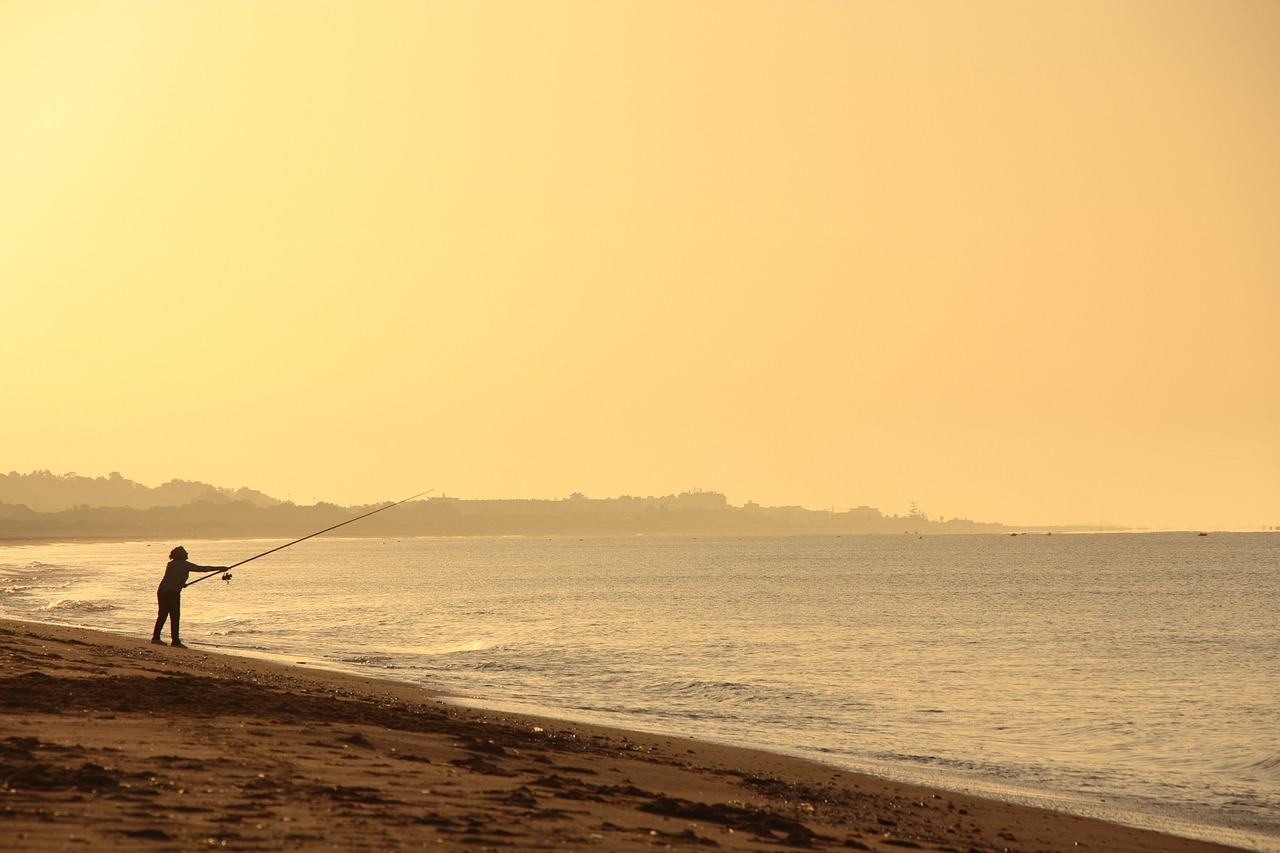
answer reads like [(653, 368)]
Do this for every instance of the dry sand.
[(108, 742)]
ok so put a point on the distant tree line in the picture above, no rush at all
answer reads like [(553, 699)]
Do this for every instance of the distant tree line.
[(213, 513), (44, 491)]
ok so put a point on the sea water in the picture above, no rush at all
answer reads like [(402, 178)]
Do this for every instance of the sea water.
[(1133, 677)]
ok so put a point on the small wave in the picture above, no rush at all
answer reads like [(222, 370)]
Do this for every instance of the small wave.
[(229, 626), (368, 660), (454, 648), (75, 605), (937, 761), (1268, 766), (715, 691), (648, 713), (494, 666)]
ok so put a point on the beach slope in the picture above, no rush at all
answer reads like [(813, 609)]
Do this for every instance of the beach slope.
[(108, 742)]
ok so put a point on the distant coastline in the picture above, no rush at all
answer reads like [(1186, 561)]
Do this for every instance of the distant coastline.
[(43, 507)]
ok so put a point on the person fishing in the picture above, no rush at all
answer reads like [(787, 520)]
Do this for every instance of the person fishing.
[(169, 594)]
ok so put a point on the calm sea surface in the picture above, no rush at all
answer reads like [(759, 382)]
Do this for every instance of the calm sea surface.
[(1134, 677)]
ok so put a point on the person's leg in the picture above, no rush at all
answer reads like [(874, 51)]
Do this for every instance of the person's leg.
[(163, 614), (175, 612)]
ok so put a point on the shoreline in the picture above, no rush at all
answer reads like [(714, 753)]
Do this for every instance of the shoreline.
[(109, 740)]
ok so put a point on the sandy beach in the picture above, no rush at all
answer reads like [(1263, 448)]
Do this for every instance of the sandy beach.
[(109, 742)]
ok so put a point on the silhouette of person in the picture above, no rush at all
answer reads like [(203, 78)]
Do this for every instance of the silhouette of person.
[(169, 593)]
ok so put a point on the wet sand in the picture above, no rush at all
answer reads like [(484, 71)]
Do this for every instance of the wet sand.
[(109, 742)]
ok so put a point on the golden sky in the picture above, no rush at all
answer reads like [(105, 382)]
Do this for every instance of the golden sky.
[(1013, 261)]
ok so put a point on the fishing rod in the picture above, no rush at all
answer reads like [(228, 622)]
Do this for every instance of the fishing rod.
[(227, 575)]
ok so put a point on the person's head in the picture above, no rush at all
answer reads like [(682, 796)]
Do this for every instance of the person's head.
[(178, 553)]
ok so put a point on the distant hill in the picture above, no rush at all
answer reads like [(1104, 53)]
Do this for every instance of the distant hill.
[(46, 507), (44, 491)]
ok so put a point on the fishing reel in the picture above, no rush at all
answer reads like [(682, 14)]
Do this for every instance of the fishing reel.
[(226, 577)]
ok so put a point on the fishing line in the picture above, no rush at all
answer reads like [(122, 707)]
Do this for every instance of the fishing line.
[(227, 575)]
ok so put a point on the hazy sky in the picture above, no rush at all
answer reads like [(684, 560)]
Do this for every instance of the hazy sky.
[(1015, 261)]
